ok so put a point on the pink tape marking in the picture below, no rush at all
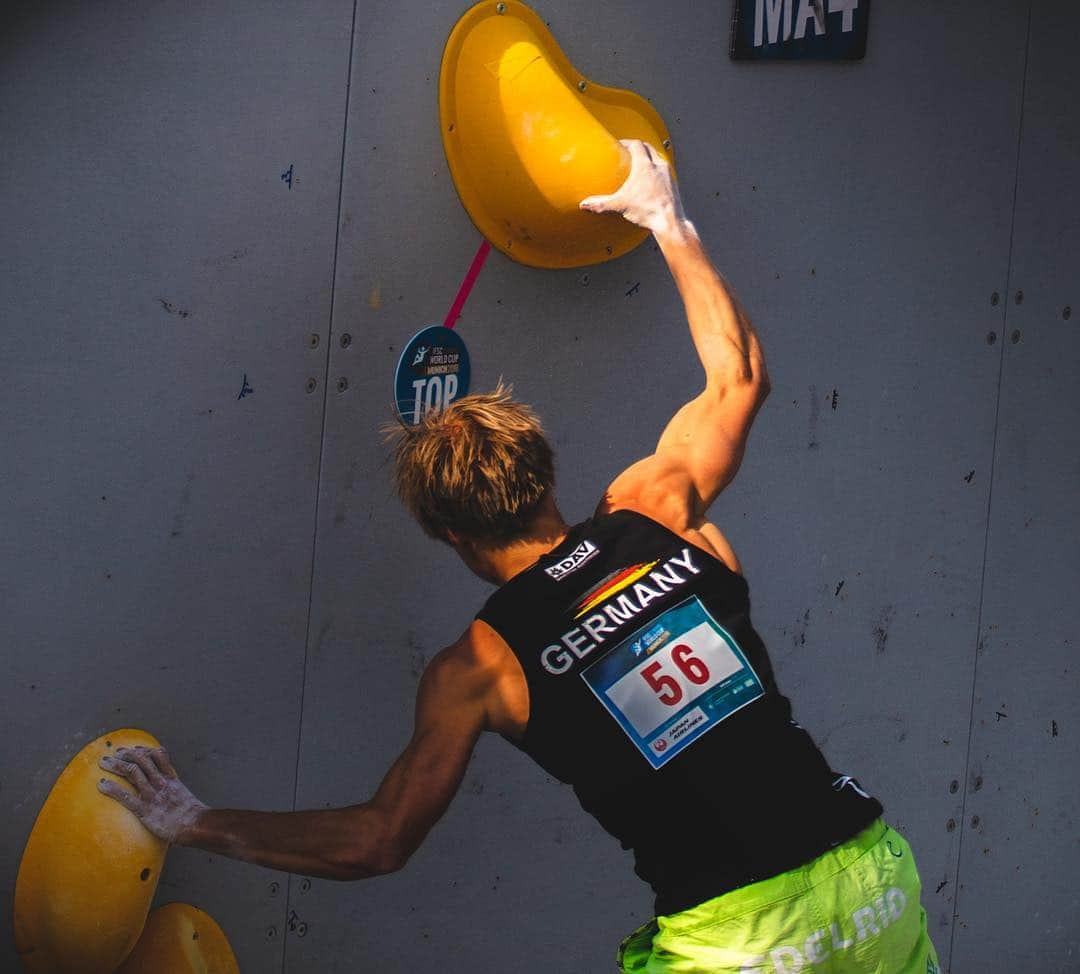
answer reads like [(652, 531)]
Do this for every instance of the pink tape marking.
[(467, 285)]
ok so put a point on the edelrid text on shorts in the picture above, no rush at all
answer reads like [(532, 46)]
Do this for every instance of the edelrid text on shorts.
[(866, 922)]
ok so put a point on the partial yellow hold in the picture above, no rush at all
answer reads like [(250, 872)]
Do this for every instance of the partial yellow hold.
[(527, 138), (181, 939), (88, 873)]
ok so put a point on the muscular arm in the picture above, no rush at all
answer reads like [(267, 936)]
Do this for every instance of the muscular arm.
[(706, 439), (456, 701), (702, 447)]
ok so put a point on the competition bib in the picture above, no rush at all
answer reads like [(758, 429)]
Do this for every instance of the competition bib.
[(673, 680)]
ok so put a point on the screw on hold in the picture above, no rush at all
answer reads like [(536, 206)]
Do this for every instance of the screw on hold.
[(313, 340), (274, 889), (305, 885), (582, 85), (975, 821), (1019, 297), (667, 143), (584, 280), (346, 340), (950, 826), (991, 337), (1015, 336), (312, 385), (301, 930), (500, 8), (954, 786), (994, 299), (271, 933), (342, 384), (1066, 312), (978, 782)]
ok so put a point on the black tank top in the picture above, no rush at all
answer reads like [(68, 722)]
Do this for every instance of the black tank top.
[(651, 694)]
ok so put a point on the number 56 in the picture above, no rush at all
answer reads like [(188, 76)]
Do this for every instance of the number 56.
[(668, 690)]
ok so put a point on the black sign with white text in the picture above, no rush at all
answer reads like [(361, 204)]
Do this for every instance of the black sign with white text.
[(763, 30)]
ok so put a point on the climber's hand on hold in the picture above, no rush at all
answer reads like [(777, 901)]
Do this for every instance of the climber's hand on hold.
[(161, 801), (649, 197)]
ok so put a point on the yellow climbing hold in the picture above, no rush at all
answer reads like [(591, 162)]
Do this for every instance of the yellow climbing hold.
[(181, 939), (527, 138), (88, 873)]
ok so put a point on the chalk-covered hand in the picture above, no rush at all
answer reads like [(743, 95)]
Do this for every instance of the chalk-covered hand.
[(161, 801), (648, 197)]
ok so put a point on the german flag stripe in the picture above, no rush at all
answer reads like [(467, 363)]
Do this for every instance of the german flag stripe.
[(624, 579), (613, 579)]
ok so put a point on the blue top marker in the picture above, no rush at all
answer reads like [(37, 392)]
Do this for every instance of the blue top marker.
[(432, 372)]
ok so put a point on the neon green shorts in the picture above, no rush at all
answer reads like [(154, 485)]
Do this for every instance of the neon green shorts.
[(855, 908)]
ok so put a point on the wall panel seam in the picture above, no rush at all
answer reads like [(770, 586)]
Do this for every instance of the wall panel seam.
[(989, 499), (319, 467)]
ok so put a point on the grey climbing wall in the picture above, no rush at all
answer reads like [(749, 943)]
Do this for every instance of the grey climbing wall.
[(159, 284), (196, 543), (1019, 849)]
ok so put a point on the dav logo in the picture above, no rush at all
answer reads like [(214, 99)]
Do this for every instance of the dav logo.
[(572, 562)]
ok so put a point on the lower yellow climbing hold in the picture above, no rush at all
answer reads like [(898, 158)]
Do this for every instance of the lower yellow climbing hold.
[(527, 137), (181, 939), (88, 873)]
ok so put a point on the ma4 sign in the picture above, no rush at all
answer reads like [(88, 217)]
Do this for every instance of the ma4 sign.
[(799, 29)]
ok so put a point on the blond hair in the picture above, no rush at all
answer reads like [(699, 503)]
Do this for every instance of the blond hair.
[(479, 468)]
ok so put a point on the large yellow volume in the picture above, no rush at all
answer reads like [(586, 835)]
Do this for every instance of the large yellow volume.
[(88, 873), (527, 138), (181, 939)]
